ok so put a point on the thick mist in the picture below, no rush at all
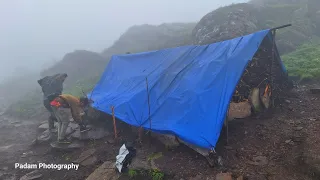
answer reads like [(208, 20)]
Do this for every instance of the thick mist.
[(34, 34)]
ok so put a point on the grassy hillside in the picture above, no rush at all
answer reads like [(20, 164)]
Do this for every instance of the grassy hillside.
[(304, 62)]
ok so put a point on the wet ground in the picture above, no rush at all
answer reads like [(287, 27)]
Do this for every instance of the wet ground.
[(280, 144)]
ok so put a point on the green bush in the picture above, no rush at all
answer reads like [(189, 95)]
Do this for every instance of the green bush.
[(304, 62)]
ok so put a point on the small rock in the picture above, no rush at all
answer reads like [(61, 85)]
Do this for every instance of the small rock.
[(7, 176), (4, 168), (302, 112), (299, 128), (89, 161), (44, 126), (139, 164), (26, 154), (71, 146), (15, 122), (288, 141), (32, 175), (287, 101), (169, 141), (197, 177), (111, 141), (312, 119), (86, 158), (223, 176), (259, 161), (228, 147), (240, 178), (245, 132), (298, 122), (106, 170), (94, 133), (44, 137)]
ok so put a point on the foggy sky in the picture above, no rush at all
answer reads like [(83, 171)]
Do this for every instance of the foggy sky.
[(35, 32)]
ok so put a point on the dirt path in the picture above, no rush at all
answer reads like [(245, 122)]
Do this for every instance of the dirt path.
[(283, 144)]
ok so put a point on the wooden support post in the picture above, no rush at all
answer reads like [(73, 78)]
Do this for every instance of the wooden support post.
[(149, 117), (272, 67), (114, 123)]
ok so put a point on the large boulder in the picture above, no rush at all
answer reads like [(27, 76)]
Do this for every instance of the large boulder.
[(244, 18), (226, 23)]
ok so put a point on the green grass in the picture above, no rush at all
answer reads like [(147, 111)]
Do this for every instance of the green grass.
[(132, 173), (153, 174), (304, 62)]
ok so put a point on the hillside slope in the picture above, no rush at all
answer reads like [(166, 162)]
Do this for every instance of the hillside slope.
[(241, 19), (149, 37), (78, 65)]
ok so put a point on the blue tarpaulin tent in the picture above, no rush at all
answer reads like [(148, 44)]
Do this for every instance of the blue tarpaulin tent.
[(190, 87)]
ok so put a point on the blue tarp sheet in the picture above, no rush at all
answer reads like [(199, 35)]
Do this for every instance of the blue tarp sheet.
[(190, 87)]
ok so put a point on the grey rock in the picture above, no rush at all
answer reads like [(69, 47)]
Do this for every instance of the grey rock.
[(89, 161), (7, 176), (169, 141), (259, 161), (94, 133), (44, 136), (106, 171), (138, 163), (44, 126), (72, 145), (197, 177), (223, 176), (32, 175), (86, 158), (225, 23)]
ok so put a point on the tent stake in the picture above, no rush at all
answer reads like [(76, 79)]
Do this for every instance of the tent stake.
[(114, 123), (149, 109)]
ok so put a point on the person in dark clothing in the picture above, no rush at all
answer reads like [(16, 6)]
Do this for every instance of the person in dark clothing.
[(52, 87)]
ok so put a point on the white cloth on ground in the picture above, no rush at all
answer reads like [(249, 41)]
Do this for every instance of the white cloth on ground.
[(123, 152)]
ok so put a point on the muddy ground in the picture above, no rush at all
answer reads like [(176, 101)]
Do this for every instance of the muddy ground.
[(280, 144)]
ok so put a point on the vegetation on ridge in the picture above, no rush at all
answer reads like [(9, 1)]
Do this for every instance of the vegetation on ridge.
[(304, 62)]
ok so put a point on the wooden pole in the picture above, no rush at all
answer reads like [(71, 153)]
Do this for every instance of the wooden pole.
[(149, 108), (272, 66), (280, 27), (114, 123)]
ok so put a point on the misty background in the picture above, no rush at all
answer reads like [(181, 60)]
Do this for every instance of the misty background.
[(35, 34)]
